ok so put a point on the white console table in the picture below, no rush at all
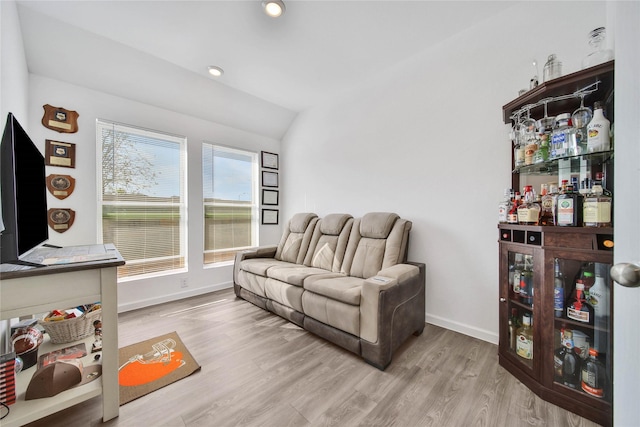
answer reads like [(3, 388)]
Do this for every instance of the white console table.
[(39, 290)]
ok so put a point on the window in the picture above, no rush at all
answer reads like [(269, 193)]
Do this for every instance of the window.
[(230, 198), (143, 205)]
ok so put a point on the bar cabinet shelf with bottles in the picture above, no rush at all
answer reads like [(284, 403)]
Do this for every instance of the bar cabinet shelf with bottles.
[(547, 339)]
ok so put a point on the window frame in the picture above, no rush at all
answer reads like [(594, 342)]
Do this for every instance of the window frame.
[(254, 206), (182, 204)]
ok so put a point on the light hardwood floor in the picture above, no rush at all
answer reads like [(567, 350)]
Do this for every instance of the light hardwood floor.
[(260, 370)]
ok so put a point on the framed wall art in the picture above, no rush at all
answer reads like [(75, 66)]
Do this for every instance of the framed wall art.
[(270, 197), (269, 179), (270, 216), (269, 160)]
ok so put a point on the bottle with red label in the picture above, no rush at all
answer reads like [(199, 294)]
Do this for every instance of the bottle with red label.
[(512, 215), (577, 307), (529, 210)]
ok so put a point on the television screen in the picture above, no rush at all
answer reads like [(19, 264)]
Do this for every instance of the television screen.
[(23, 194)]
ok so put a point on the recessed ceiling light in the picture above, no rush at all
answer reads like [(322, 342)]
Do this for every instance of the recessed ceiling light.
[(215, 71), (273, 8)]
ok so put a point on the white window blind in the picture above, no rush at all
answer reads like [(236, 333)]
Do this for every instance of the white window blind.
[(230, 200), (142, 175)]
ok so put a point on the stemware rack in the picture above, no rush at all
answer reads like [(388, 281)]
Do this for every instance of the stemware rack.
[(580, 93), (560, 93)]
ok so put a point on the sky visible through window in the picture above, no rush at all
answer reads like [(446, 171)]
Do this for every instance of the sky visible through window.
[(167, 169), (226, 175)]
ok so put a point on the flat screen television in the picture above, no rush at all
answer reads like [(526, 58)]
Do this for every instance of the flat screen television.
[(23, 194)]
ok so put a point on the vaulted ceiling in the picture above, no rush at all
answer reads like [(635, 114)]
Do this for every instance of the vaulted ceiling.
[(157, 52)]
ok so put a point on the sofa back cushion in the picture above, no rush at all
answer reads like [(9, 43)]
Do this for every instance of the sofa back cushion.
[(329, 242), (378, 240), (296, 237)]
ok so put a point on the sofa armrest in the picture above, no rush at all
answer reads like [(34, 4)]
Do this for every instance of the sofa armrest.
[(400, 313), (259, 252), (397, 275)]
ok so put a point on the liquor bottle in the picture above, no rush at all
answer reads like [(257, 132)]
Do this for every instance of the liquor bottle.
[(518, 267), (588, 274), (599, 299), (518, 153), (598, 131), (529, 211), (577, 307), (562, 136), (569, 208), (524, 340), (597, 208), (571, 363), (512, 216), (594, 375), (558, 355), (546, 214), (547, 204), (563, 186), (514, 324), (574, 184), (558, 289), (526, 282), (542, 153), (530, 150), (505, 206)]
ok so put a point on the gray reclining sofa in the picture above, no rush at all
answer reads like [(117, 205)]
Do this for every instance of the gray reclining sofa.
[(344, 279)]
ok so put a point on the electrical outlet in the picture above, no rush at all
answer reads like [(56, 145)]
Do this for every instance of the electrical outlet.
[(183, 283)]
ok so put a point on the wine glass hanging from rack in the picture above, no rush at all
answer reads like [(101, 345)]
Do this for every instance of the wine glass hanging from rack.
[(580, 93)]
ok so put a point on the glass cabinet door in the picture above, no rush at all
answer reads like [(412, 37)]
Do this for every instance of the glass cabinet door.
[(582, 327), (520, 307)]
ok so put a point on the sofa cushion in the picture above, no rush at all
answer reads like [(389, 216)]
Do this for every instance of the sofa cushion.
[(251, 282), (344, 289), (367, 260), (294, 274), (345, 317), (285, 294), (295, 240), (377, 225), (300, 221), (333, 224), (378, 240), (329, 242), (261, 265)]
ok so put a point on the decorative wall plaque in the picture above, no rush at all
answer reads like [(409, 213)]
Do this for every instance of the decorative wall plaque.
[(61, 219), (59, 153), (59, 119), (61, 186)]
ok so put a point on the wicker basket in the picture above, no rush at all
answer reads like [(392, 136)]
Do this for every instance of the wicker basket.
[(70, 330)]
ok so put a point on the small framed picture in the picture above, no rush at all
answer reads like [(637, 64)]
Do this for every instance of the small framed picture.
[(269, 160), (270, 216), (270, 197), (269, 179)]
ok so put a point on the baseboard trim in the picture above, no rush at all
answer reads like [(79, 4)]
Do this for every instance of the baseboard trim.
[(122, 308), (462, 328)]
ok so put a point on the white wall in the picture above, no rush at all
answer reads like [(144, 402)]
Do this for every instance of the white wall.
[(14, 76), (13, 92), (427, 141), (92, 105)]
